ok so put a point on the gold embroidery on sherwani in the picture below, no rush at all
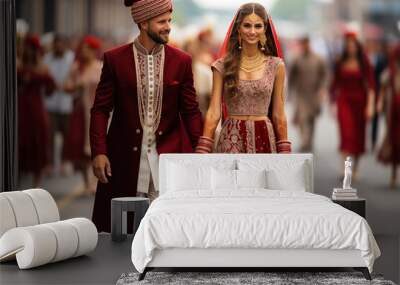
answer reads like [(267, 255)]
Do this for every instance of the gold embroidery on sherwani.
[(149, 77)]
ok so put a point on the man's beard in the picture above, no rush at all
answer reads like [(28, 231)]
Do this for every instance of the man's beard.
[(156, 38)]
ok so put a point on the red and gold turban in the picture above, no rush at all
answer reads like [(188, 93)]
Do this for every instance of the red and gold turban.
[(143, 10)]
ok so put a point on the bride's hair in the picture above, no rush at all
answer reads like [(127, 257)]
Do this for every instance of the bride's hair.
[(232, 57)]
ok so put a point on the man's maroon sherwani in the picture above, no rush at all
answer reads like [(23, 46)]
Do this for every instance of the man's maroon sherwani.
[(178, 131)]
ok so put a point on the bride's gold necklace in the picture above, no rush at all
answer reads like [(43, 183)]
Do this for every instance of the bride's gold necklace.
[(252, 63)]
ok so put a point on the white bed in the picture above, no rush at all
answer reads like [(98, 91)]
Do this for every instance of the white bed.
[(210, 222)]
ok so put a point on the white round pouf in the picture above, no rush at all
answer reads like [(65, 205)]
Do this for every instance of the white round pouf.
[(67, 240), (87, 233), (7, 218), (33, 246), (45, 205), (31, 232), (26, 208), (23, 208), (41, 244)]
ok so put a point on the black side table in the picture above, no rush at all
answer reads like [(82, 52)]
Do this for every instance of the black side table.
[(119, 209), (358, 206)]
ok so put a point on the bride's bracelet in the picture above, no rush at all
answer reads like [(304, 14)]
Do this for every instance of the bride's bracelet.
[(283, 146), (204, 145)]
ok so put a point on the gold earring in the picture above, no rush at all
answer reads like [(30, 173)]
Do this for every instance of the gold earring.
[(239, 42), (263, 41)]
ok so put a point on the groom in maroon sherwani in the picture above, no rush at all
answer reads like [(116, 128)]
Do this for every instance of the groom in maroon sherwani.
[(148, 87)]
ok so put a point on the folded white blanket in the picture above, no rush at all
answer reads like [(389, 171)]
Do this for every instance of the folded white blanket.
[(251, 218)]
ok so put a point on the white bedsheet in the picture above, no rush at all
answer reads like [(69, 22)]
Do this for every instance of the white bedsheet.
[(251, 218)]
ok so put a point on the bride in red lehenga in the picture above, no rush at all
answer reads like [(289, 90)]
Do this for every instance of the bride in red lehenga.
[(353, 89), (247, 91), (390, 97)]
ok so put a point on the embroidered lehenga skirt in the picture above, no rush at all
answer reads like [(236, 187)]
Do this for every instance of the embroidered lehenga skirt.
[(246, 136)]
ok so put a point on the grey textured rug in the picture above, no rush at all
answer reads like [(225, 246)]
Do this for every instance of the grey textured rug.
[(243, 278)]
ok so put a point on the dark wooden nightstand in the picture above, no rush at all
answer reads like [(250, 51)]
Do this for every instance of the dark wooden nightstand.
[(358, 206)]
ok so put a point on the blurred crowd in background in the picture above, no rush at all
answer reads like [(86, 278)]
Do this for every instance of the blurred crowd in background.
[(59, 66)]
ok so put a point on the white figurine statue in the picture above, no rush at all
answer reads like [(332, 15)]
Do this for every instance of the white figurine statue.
[(347, 173)]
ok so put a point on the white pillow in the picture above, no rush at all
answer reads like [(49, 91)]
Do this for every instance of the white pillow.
[(223, 179), (251, 178), (293, 180), (282, 174), (183, 177)]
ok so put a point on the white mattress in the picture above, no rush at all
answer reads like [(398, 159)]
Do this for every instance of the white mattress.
[(252, 218)]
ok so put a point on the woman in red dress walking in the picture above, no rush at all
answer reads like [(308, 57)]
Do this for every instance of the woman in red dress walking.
[(33, 81), (353, 89), (390, 97), (84, 77)]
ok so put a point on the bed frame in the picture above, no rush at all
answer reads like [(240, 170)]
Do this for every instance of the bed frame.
[(248, 259)]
